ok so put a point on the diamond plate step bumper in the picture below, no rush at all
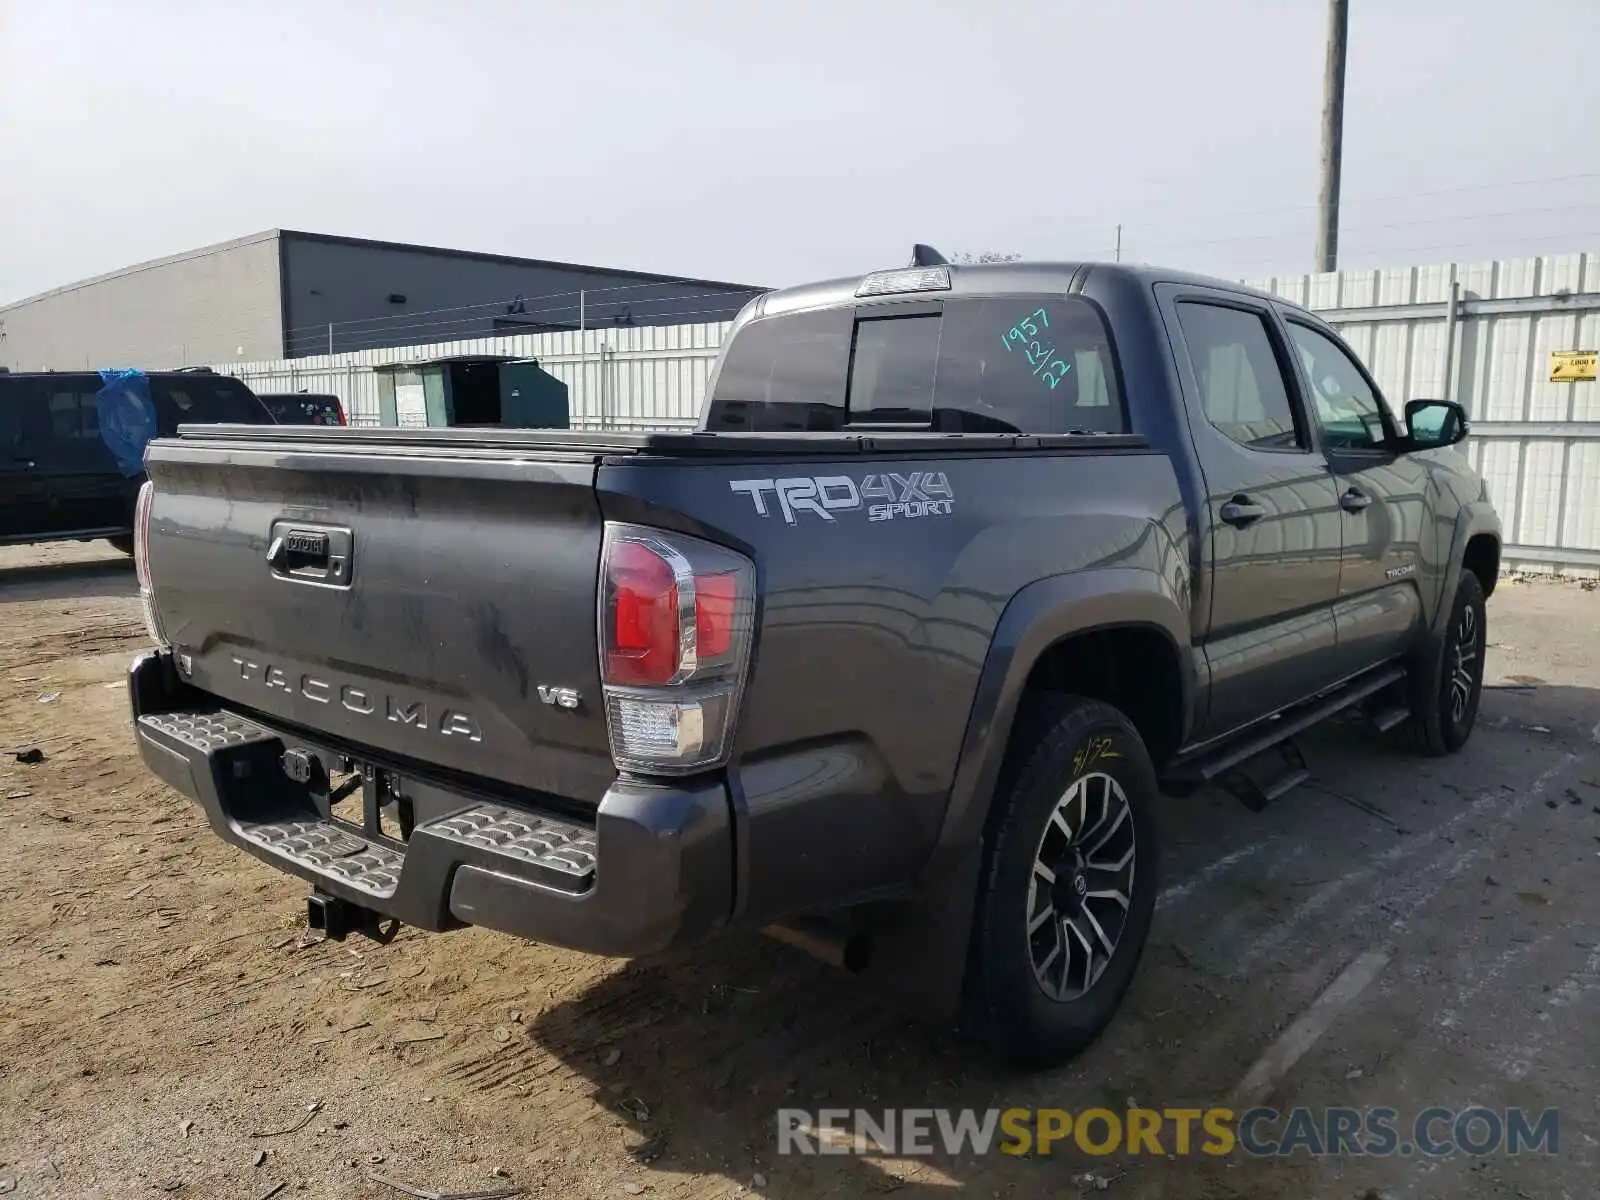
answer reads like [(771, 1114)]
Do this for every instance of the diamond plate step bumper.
[(207, 732), (554, 845), (366, 866), (655, 869)]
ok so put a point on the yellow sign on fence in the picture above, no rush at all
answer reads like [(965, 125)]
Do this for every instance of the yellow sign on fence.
[(1573, 366)]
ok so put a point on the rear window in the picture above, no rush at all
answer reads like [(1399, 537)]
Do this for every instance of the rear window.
[(1003, 364), (204, 400), (893, 366), (302, 409)]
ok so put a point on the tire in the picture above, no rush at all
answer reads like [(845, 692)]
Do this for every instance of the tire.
[(122, 542), (1446, 681), (1084, 761)]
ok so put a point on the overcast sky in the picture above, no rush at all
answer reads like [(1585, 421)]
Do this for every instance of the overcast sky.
[(775, 142)]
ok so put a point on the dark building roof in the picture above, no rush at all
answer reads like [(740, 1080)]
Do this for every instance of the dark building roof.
[(512, 260)]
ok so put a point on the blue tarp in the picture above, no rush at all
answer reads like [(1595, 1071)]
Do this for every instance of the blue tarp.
[(127, 417)]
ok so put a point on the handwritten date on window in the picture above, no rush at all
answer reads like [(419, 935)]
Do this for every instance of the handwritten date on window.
[(1030, 334)]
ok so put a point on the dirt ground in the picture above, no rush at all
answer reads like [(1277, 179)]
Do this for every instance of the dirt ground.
[(166, 1028)]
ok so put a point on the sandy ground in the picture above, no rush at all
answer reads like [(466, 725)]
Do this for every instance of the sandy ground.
[(166, 1028)]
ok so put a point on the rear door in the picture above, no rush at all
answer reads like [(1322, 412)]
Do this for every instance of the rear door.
[(1272, 514), (23, 497), (88, 493), (1383, 500)]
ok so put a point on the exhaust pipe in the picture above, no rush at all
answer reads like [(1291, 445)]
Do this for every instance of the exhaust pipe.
[(820, 939)]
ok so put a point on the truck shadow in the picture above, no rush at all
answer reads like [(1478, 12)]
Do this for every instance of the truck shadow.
[(94, 579), (697, 1054)]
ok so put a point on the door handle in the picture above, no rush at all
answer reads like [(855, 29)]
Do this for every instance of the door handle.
[(1354, 501), (24, 462), (1241, 511)]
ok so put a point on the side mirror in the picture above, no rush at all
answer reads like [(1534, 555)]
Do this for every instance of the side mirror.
[(1435, 423)]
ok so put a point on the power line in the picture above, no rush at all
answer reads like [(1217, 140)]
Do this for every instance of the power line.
[(1109, 220), (380, 331), (1345, 202), (397, 322), (317, 335), (1421, 221), (378, 339), (370, 331), (1086, 222), (1557, 237)]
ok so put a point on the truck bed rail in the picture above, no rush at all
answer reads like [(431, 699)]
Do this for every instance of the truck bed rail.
[(581, 442)]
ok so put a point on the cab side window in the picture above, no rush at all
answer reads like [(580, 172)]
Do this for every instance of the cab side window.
[(1346, 407), (1241, 384)]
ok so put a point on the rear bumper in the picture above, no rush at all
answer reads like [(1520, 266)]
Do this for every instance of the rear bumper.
[(654, 870)]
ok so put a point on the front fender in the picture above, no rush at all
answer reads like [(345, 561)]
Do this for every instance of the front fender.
[(1478, 517)]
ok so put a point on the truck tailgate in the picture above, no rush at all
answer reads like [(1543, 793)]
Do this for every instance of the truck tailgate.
[(410, 598)]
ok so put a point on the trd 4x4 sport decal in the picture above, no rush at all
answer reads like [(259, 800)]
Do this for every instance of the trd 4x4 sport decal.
[(886, 497)]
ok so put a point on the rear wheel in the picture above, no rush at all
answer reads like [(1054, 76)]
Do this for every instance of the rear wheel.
[(1447, 681), (1069, 884)]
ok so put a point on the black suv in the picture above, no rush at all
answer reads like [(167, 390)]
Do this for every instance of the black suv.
[(60, 477)]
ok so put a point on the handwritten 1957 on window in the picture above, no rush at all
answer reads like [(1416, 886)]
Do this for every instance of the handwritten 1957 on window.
[(1026, 333)]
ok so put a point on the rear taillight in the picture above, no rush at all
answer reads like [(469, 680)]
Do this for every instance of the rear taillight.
[(141, 563), (676, 615)]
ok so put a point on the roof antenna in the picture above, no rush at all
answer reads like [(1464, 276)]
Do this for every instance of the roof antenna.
[(927, 256)]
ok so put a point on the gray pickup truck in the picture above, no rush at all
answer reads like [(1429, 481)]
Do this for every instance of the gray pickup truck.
[(968, 572)]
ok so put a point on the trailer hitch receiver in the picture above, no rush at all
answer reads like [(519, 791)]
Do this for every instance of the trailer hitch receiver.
[(338, 919)]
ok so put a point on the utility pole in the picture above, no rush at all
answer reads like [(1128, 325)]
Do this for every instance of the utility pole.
[(1118, 250), (1332, 136)]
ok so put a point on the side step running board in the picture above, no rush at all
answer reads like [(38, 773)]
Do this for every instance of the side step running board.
[(1385, 719), (1207, 766), (1255, 786)]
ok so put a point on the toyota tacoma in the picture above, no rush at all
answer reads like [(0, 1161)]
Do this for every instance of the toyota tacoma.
[(967, 571)]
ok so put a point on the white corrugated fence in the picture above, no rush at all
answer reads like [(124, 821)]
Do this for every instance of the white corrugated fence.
[(1482, 334), (649, 377)]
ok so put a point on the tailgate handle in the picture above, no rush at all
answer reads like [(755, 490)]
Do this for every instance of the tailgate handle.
[(310, 554)]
